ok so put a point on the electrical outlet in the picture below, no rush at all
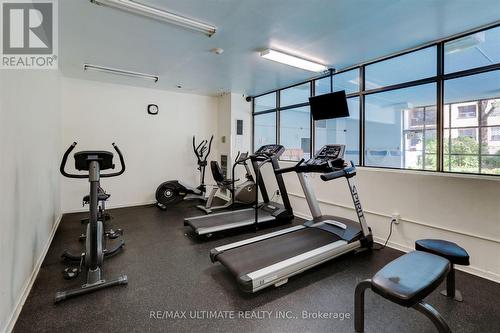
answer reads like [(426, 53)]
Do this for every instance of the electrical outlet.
[(396, 217)]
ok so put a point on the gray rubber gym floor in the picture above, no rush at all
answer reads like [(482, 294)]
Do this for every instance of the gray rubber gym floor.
[(170, 271)]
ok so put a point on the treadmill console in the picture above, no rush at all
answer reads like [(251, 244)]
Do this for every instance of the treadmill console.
[(328, 158), (270, 151)]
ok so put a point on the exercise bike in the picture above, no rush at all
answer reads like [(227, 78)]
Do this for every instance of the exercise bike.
[(92, 258), (102, 215), (174, 191), (240, 195)]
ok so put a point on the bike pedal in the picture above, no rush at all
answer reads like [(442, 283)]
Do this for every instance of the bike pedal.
[(114, 234), (70, 273)]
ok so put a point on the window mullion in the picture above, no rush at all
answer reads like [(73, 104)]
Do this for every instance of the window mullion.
[(440, 108)]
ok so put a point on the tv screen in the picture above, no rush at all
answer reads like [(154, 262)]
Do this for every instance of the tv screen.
[(328, 106)]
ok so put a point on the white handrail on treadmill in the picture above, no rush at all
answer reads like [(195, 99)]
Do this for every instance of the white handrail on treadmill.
[(257, 238), (234, 225), (279, 273), (206, 217)]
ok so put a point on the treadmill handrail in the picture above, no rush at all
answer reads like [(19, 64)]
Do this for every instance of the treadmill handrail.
[(257, 180), (290, 169), (347, 172)]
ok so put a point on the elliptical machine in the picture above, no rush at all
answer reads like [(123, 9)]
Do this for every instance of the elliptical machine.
[(174, 191), (241, 195), (95, 248)]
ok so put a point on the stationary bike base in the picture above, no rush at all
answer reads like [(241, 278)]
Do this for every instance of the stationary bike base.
[(109, 252), (88, 288)]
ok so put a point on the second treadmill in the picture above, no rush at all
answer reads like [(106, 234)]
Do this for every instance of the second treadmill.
[(267, 212)]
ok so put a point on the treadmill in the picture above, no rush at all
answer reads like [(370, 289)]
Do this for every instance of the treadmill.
[(265, 213), (270, 259)]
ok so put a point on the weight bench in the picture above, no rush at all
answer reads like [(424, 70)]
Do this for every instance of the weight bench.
[(451, 251), (406, 281)]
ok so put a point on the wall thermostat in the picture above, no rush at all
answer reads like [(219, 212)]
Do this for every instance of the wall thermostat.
[(153, 109)]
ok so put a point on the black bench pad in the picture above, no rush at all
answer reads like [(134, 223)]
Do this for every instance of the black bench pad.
[(451, 251), (410, 278)]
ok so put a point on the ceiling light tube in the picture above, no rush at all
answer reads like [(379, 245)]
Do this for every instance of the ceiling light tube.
[(293, 61), (88, 67), (158, 14)]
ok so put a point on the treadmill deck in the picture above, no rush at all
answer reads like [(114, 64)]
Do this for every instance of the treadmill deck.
[(255, 256)]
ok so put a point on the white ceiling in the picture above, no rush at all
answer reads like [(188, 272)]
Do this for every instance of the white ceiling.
[(338, 33)]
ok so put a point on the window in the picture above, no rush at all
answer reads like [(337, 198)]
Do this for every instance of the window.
[(394, 119), (467, 111), (265, 102), (348, 81), (408, 67), (341, 131), (295, 133), (323, 86), (470, 113), (295, 95), (472, 51), (264, 129), (495, 134), (397, 131)]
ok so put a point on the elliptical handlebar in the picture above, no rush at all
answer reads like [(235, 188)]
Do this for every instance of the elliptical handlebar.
[(200, 150), (70, 175)]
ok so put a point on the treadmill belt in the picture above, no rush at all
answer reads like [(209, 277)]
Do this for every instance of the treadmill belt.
[(252, 257), (247, 215)]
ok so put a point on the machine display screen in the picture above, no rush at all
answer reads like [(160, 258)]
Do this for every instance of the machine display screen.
[(328, 106), (270, 150)]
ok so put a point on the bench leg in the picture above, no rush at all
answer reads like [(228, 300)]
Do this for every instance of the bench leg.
[(433, 315), (450, 291), (359, 305)]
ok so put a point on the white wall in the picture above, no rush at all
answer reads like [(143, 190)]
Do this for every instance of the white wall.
[(30, 137), (241, 110), (156, 148), (224, 128), (462, 209)]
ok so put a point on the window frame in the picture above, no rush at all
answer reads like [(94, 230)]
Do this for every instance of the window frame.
[(439, 79)]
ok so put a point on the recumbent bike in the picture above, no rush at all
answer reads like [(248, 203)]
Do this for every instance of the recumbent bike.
[(241, 195)]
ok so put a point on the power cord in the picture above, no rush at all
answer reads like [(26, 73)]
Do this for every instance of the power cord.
[(393, 221)]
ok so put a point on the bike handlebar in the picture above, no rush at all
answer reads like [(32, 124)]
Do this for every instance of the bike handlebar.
[(69, 175), (122, 163), (63, 164)]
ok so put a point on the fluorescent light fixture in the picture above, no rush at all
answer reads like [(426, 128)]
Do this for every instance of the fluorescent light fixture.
[(293, 61), (88, 67), (158, 14), (464, 43)]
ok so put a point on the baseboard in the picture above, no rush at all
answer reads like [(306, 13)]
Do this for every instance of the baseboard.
[(29, 283), (467, 269)]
